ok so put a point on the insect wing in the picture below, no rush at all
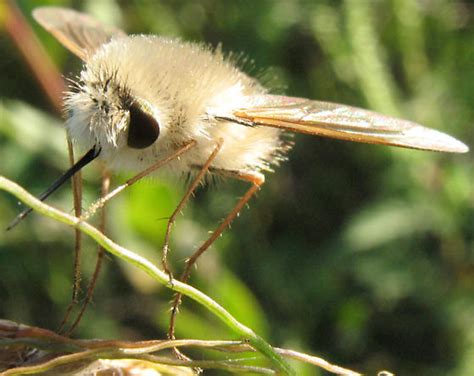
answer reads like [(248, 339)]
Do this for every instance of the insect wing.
[(344, 122), (78, 32)]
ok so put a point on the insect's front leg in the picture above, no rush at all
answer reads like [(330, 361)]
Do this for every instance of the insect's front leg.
[(155, 166), (202, 172)]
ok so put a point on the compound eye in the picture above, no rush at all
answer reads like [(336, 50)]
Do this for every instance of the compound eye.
[(143, 129)]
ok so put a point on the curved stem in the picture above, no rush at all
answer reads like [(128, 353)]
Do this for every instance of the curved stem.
[(148, 267)]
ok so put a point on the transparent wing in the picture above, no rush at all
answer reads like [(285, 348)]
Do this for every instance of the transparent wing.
[(344, 122), (78, 32)]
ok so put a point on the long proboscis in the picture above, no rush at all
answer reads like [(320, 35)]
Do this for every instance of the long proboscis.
[(85, 160)]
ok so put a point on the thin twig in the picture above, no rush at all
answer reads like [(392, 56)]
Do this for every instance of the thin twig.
[(34, 54), (32, 337)]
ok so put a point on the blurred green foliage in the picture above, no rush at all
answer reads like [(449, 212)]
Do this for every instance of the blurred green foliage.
[(362, 254)]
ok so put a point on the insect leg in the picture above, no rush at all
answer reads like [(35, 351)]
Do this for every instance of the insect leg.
[(77, 199), (101, 202), (100, 256), (202, 172), (256, 180)]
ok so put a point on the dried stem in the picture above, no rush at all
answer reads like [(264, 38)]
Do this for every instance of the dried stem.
[(81, 351)]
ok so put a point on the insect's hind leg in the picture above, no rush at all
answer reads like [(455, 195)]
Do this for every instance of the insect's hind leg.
[(256, 179)]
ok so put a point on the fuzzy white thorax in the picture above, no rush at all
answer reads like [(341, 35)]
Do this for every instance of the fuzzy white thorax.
[(183, 86)]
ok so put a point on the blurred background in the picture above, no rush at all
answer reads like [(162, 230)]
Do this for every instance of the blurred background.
[(361, 254)]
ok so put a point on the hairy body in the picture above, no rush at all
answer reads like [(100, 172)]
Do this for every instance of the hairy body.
[(185, 87)]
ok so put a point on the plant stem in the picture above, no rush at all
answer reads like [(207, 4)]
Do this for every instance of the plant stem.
[(148, 267)]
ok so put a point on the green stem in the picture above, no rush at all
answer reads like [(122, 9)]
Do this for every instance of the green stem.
[(148, 267)]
